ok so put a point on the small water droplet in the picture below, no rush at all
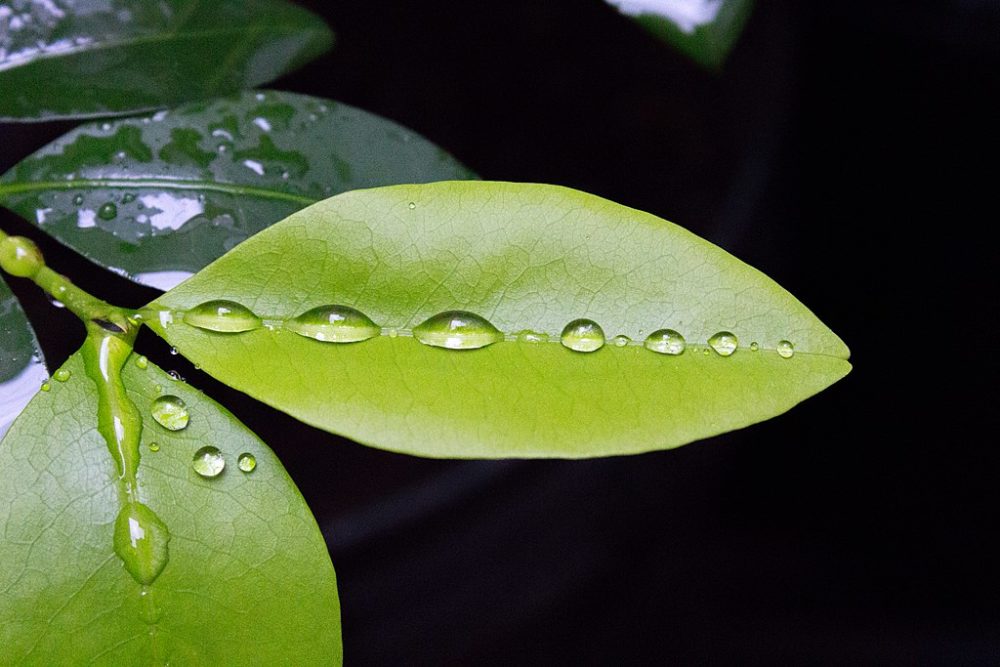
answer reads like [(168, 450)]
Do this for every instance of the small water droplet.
[(154, 446), (62, 375), (107, 211), (140, 540), (392, 333), (174, 352), (786, 349), (724, 343), (175, 376), (46, 386), (621, 340), (128, 198), (247, 462), (223, 316), (457, 330), (529, 336), (334, 324), (583, 336), (170, 412), (412, 205), (754, 346), (142, 362), (77, 200), (208, 461), (106, 127), (665, 341)]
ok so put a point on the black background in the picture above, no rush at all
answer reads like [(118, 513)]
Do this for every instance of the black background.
[(844, 150)]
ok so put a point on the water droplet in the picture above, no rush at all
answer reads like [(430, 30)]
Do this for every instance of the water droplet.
[(724, 343), (529, 336), (334, 324), (457, 330), (141, 540), (247, 462), (174, 352), (170, 412), (392, 333), (106, 127), (154, 446), (412, 205), (62, 375), (221, 315), (665, 341), (208, 461), (142, 362), (46, 386), (754, 346), (107, 211), (128, 198), (583, 336), (77, 200), (786, 349), (621, 340)]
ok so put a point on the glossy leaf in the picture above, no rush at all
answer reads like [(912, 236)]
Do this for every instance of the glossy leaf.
[(705, 30), (160, 197), (525, 257), (248, 580), (22, 370), (74, 59)]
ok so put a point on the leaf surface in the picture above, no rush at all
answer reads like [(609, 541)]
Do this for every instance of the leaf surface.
[(158, 198), (85, 58), (525, 257), (248, 580), (22, 370), (704, 30)]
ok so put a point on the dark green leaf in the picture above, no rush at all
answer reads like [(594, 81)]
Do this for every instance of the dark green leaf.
[(248, 580), (21, 367), (705, 30), (66, 59), (525, 257), (159, 198)]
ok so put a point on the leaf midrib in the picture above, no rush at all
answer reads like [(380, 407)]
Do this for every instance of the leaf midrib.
[(159, 183)]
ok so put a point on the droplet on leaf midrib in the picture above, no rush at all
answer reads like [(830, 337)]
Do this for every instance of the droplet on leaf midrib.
[(457, 330), (222, 316), (334, 324)]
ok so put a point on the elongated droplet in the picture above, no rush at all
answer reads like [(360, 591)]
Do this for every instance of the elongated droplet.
[(786, 349), (457, 330), (247, 462), (170, 413), (724, 343), (529, 336), (665, 341), (141, 540), (208, 461), (62, 375), (621, 340), (107, 212), (221, 315), (334, 324), (583, 336)]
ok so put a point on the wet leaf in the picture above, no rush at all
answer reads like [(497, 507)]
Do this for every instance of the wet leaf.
[(22, 370), (66, 59), (160, 197), (248, 579), (524, 257), (705, 30)]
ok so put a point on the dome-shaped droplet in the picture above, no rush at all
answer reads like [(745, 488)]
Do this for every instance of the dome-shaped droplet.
[(107, 211), (620, 340), (142, 362), (334, 324), (141, 542), (208, 461), (170, 413), (457, 330), (247, 462), (724, 343), (786, 349), (665, 341), (46, 386), (62, 375), (222, 315), (529, 336), (754, 346), (78, 199), (583, 336), (154, 446)]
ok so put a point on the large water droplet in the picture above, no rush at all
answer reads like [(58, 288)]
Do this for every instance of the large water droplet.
[(62, 375), (724, 343), (583, 336), (247, 462), (208, 461), (141, 542), (334, 324), (457, 330), (222, 315), (107, 212), (786, 349), (665, 341), (170, 413)]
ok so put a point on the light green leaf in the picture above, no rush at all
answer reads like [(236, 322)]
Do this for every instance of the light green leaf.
[(704, 30), (21, 367), (525, 257), (248, 580), (158, 198), (85, 58)]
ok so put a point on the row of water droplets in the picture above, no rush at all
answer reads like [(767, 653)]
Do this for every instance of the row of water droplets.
[(453, 330)]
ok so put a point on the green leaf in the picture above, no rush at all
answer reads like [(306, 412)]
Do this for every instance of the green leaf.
[(159, 198), (523, 256), (704, 30), (66, 59), (248, 580), (22, 369)]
